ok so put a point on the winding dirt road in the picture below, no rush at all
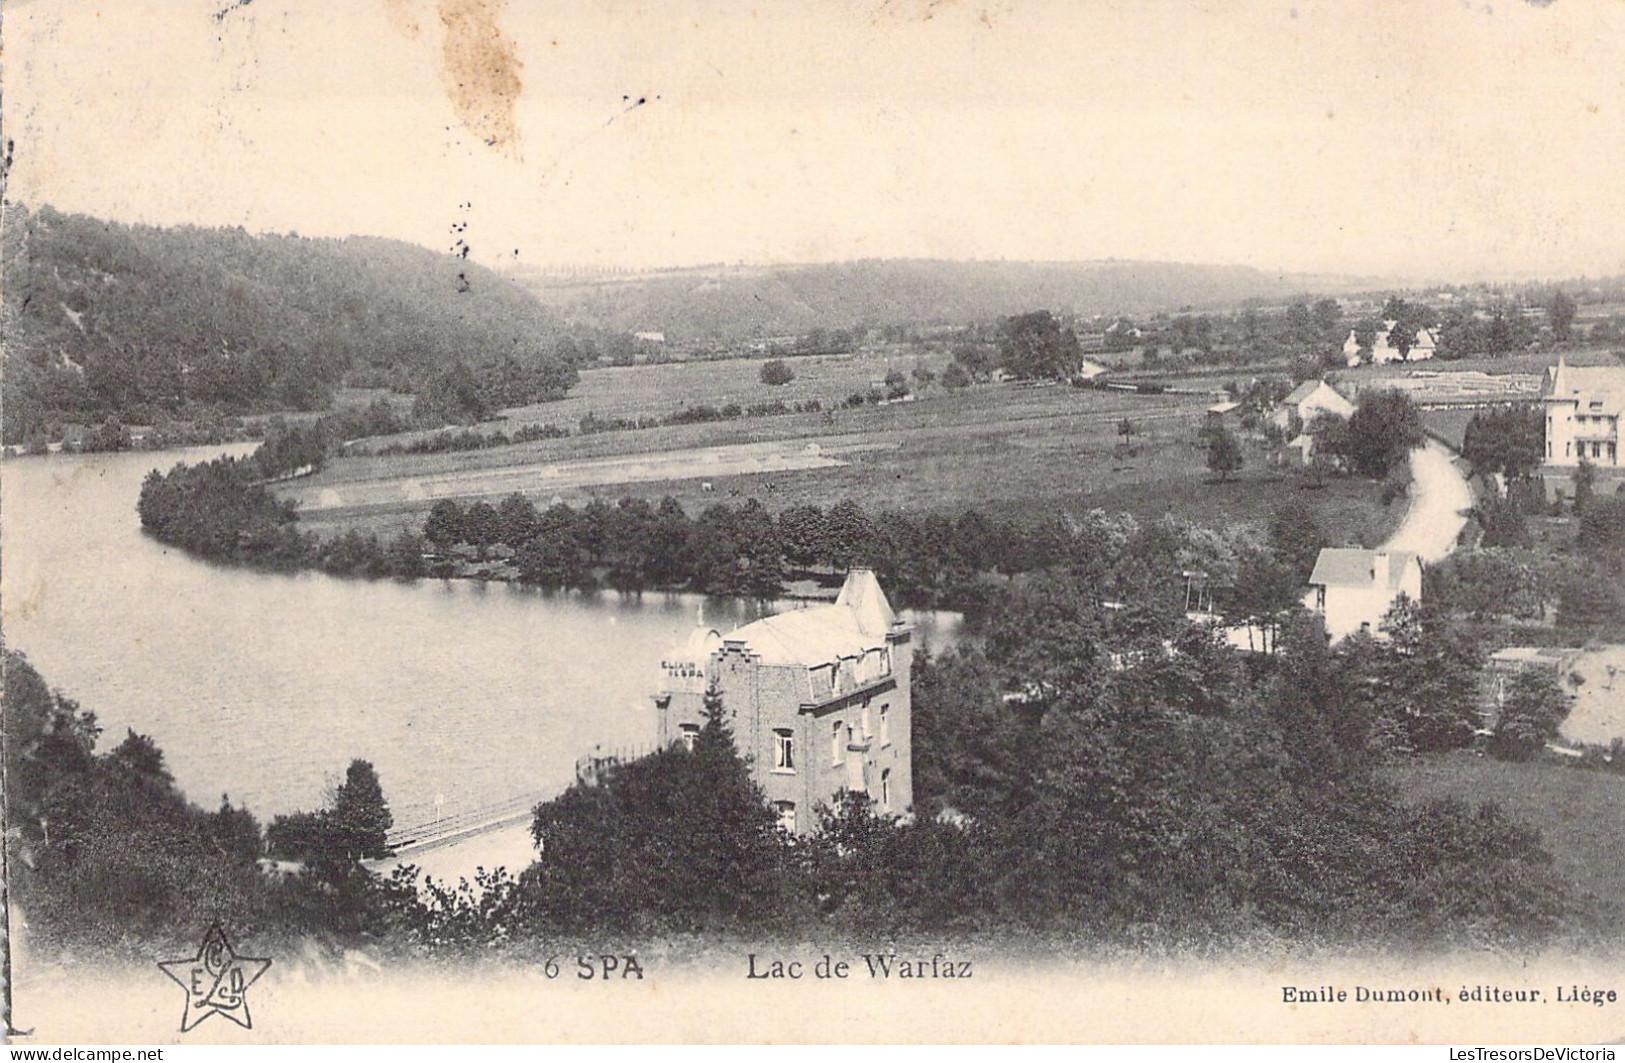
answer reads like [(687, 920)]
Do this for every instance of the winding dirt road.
[(1440, 499)]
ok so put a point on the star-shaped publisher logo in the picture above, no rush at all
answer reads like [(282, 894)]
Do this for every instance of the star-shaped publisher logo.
[(216, 981)]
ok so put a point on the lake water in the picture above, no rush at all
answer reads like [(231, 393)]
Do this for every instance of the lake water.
[(264, 686)]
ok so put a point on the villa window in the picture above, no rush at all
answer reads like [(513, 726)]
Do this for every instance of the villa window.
[(784, 753), (885, 789), (837, 748), (867, 731), (786, 811), (885, 726), (691, 732)]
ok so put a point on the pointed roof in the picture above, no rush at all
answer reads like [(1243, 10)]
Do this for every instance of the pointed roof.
[(1600, 389), (861, 593), (1308, 388), (1302, 391), (1557, 378)]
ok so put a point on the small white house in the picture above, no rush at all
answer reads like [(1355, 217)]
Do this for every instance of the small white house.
[(1309, 400), (1354, 589), (1424, 347), (1089, 370)]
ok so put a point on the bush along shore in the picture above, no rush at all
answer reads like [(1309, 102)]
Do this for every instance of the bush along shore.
[(224, 510)]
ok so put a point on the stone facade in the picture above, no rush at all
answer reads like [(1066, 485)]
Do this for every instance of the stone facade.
[(818, 698)]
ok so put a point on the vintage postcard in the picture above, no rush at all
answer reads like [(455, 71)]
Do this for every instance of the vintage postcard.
[(854, 521)]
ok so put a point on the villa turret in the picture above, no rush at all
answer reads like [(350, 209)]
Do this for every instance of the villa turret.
[(818, 699)]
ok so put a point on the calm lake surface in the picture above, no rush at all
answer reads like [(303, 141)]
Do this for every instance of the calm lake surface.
[(264, 686)]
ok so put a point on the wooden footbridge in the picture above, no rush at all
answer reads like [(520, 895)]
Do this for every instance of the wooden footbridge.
[(448, 830)]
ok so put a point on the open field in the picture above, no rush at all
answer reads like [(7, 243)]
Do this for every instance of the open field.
[(655, 391), (1006, 450), (1578, 812), (499, 481)]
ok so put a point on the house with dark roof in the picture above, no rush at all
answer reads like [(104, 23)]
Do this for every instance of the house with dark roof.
[(1354, 589), (818, 699)]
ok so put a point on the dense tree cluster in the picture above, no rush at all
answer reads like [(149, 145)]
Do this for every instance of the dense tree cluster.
[(221, 509), (1535, 707), (143, 323), (1036, 346), (1097, 770), (1376, 439), (1578, 581), (720, 869), (777, 372), (106, 851), (333, 841), (929, 559), (1509, 441)]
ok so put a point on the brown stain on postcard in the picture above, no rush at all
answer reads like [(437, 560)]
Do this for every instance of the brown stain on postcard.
[(481, 70), (401, 19)]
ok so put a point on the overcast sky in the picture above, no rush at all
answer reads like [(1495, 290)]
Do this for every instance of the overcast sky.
[(1432, 139)]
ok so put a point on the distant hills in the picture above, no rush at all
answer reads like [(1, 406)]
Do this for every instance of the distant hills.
[(732, 303), (102, 318)]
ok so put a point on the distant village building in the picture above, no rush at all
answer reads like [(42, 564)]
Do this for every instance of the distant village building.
[(1354, 589), (1223, 414), (649, 337), (1583, 408), (1381, 353), (1089, 370), (818, 698), (1309, 400)]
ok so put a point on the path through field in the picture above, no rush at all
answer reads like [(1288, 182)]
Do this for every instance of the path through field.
[(1440, 499), (702, 462)]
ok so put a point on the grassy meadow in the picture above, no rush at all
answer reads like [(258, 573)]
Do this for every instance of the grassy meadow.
[(1005, 449)]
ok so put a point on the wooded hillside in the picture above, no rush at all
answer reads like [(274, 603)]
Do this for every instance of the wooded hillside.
[(104, 319)]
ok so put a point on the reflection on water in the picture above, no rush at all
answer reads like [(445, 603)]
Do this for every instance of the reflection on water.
[(264, 686)]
